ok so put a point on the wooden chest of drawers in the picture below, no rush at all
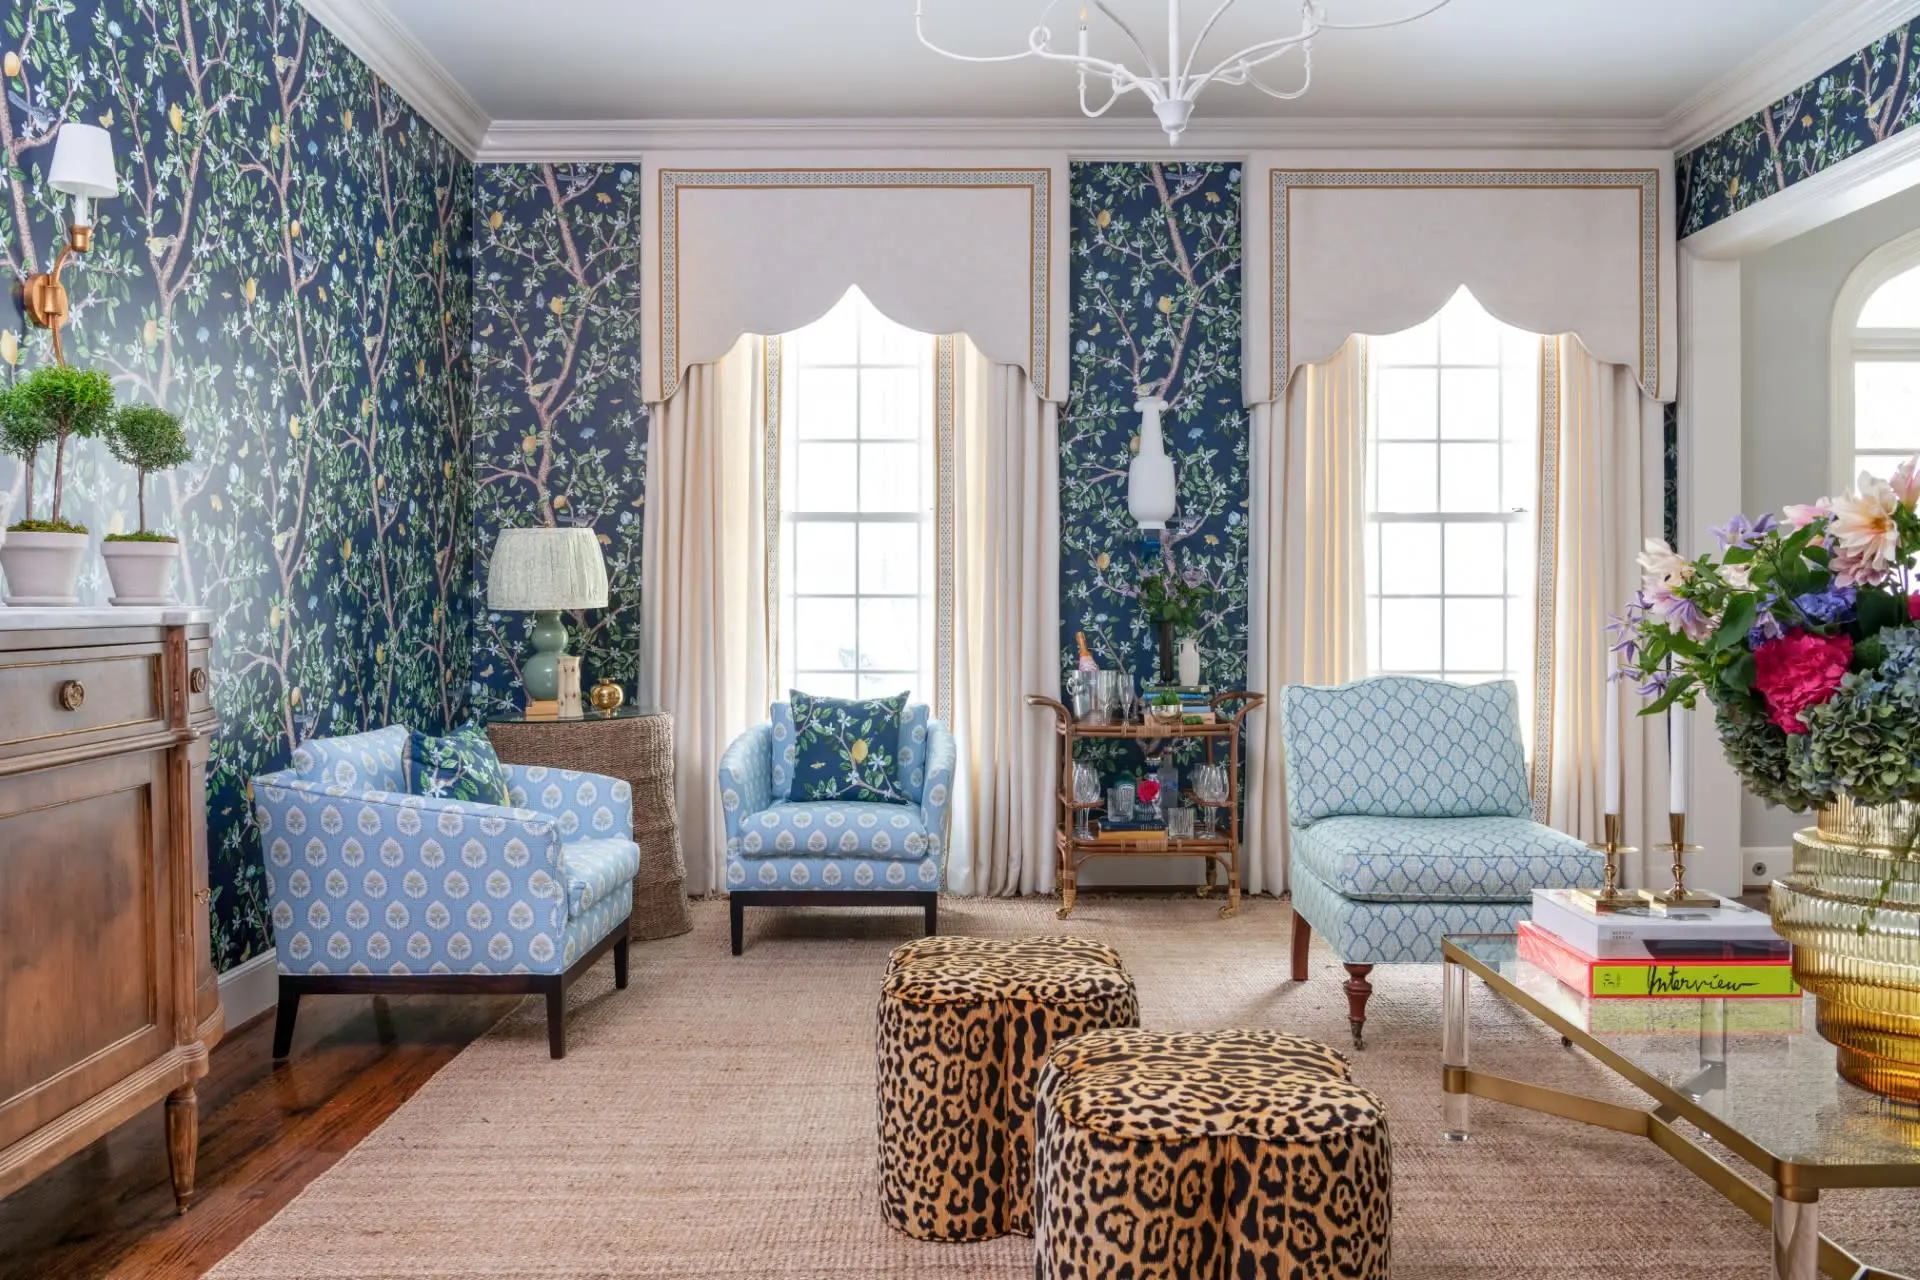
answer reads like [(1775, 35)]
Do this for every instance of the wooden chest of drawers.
[(108, 1000)]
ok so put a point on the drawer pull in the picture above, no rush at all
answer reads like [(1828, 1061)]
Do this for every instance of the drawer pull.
[(197, 680), (73, 695), (203, 896)]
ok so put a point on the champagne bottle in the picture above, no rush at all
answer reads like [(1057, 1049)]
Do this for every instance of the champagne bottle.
[(1086, 655)]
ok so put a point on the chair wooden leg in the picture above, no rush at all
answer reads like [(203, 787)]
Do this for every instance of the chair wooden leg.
[(1358, 989), (283, 1020), (1302, 941), (620, 960), (557, 1016), (736, 909), (933, 915)]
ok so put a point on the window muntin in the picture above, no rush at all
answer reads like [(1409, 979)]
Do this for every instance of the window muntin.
[(857, 569), (1453, 409), (1885, 377)]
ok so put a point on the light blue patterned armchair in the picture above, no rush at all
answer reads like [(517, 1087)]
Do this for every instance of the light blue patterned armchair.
[(833, 852), (1410, 819), (377, 891)]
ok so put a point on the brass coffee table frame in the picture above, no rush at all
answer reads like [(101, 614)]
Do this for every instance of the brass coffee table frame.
[(1790, 1209)]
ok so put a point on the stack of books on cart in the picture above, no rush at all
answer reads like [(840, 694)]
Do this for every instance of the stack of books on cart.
[(1196, 701), (1636, 969)]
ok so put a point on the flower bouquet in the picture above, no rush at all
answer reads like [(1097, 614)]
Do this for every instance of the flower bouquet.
[(1801, 633)]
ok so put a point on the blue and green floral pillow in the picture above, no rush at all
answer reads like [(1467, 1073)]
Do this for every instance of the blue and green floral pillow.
[(845, 750), (460, 766)]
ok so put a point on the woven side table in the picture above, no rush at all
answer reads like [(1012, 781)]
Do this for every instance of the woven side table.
[(637, 745)]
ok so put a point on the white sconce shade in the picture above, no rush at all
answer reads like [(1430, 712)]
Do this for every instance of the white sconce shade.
[(83, 168), (83, 162), (1150, 488), (542, 569)]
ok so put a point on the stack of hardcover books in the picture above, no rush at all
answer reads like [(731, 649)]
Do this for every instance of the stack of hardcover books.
[(1726, 951)]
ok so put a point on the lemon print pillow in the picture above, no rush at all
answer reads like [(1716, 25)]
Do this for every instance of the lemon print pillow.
[(844, 749)]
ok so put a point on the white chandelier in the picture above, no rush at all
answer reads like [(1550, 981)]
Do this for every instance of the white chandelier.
[(1173, 92)]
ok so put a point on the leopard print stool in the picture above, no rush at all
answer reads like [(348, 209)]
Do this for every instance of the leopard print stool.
[(965, 1026), (1206, 1156)]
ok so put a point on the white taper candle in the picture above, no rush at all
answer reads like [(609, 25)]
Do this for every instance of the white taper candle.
[(1677, 719), (1610, 713)]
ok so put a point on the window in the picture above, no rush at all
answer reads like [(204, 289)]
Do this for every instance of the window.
[(1452, 480), (1876, 372), (857, 488)]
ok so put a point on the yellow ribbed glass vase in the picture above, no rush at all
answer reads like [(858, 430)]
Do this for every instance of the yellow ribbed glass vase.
[(1851, 908)]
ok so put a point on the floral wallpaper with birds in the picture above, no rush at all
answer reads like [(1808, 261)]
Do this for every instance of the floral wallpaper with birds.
[(560, 435), (1156, 305), (286, 269), (1845, 109)]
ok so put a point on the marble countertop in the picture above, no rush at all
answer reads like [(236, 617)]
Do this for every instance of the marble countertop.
[(39, 618)]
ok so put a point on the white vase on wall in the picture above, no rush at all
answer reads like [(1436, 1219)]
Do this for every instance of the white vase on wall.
[(1187, 660)]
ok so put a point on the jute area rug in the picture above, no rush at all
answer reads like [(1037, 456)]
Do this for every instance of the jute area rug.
[(717, 1119)]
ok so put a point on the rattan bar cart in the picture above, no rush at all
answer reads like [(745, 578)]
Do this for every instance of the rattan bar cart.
[(1219, 851)]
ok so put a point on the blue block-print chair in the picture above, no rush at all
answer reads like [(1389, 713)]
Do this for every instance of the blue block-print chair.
[(376, 891), (835, 853), (1410, 817)]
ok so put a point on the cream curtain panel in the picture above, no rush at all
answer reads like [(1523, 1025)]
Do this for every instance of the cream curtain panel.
[(1308, 574), (1602, 459), (1007, 625), (703, 615)]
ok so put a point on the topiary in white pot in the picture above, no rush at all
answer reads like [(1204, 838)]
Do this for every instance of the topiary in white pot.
[(52, 405), (140, 564)]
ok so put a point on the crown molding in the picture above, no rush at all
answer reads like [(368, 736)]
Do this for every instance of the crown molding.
[(1839, 29), (521, 141), (376, 37)]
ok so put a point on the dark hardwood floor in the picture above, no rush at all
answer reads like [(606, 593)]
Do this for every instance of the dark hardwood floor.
[(265, 1132)]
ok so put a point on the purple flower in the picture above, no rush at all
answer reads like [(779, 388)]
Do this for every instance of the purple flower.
[(1742, 532), (1834, 605), (1656, 684)]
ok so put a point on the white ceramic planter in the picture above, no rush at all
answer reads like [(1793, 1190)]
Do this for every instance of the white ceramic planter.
[(141, 572), (42, 568)]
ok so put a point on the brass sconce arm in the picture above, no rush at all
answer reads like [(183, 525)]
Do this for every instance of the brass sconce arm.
[(45, 297)]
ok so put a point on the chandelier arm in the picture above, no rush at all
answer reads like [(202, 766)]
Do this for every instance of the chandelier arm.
[(1193, 51), (1257, 54), (1099, 66), (1152, 68), (1112, 98), (1038, 35), (1435, 7), (1285, 95)]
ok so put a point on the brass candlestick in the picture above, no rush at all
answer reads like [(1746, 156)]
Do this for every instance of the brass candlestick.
[(1610, 896), (1679, 895)]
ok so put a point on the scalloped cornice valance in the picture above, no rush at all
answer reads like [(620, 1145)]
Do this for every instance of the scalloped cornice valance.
[(1583, 248), (757, 244)]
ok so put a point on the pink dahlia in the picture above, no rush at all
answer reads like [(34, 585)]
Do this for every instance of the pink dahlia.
[(1797, 671)]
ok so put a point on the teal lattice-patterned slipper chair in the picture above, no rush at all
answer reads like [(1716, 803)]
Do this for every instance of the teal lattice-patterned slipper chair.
[(1411, 819)]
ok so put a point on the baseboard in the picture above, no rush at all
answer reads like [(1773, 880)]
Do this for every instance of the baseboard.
[(1761, 864), (250, 989)]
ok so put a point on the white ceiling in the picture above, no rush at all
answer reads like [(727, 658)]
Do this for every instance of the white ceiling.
[(767, 59)]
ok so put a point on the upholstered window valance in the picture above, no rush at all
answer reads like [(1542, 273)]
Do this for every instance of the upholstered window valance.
[(1379, 245), (759, 244)]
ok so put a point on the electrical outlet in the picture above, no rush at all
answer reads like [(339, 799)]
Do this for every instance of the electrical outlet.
[(1760, 871)]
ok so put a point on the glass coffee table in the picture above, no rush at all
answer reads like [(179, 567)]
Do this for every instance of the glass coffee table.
[(1754, 1075)]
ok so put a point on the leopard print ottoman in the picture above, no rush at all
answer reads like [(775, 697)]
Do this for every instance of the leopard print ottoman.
[(1205, 1156), (965, 1026)]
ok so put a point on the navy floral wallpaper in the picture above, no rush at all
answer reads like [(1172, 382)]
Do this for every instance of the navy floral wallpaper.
[(559, 435), (1869, 97), (1156, 304), (286, 268)]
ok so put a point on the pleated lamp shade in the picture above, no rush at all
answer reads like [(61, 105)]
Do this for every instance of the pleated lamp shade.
[(539, 569)]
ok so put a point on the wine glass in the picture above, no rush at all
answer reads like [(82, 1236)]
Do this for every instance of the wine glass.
[(1086, 790), (1209, 784)]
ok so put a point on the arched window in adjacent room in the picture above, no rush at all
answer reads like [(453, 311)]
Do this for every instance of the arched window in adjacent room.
[(1876, 364)]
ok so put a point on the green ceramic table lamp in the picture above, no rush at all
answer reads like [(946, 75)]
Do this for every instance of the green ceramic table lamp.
[(545, 570)]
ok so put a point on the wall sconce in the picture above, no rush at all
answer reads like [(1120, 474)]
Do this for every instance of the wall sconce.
[(82, 168), (1150, 489)]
